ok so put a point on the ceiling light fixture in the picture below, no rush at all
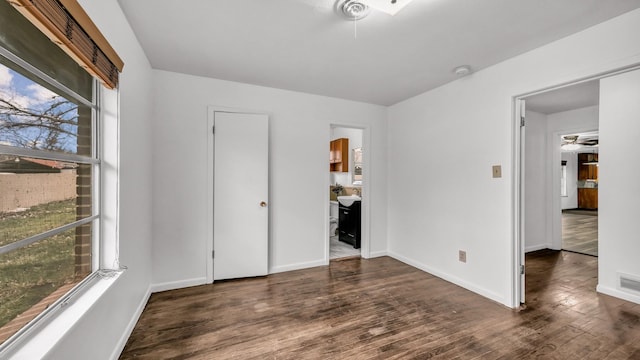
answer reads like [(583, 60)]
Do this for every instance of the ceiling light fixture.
[(570, 143), (571, 147)]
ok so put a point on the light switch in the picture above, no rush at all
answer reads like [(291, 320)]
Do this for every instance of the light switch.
[(497, 171)]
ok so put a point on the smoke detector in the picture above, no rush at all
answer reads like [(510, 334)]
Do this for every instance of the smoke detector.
[(352, 9), (463, 70)]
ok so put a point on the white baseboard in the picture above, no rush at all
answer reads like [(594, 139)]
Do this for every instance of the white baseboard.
[(298, 266), (375, 254), (172, 285), (452, 279), (618, 293), (132, 324), (536, 247)]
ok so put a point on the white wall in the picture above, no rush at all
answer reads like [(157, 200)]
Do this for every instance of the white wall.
[(571, 200), (567, 122), (299, 137), (451, 136), (101, 333), (536, 187), (355, 141), (618, 225)]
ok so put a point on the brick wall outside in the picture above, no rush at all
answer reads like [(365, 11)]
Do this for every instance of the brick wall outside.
[(82, 247)]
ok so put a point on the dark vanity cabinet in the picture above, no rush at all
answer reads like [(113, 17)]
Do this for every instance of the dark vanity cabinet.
[(349, 224)]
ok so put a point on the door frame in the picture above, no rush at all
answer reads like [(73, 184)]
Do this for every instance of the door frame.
[(211, 110), (517, 180), (365, 207)]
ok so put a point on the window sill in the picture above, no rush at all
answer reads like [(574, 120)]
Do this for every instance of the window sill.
[(44, 337)]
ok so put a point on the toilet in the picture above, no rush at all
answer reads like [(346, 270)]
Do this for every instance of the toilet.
[(333, 218)]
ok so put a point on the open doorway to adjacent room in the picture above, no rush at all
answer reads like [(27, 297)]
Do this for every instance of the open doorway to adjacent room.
[(579, 192), (559, 163), (345, 192)]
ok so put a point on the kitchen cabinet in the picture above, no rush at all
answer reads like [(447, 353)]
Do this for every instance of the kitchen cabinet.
[(349, 224), (587, 180), (588, 198), (587, 171), (339, 155)]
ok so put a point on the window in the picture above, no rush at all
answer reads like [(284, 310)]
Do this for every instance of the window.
[(49, 173)]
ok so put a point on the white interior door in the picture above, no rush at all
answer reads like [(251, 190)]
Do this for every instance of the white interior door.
[(240, 196)]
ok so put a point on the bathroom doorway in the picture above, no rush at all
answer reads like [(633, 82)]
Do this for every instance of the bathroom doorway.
[(346, 178)]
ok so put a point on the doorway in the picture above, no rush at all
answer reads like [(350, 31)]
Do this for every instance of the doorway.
[(347, 195), (579, 192), (556, 126)]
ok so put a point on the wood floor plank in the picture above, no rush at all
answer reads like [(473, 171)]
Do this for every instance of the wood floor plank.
[(383, 309), (580, 231)]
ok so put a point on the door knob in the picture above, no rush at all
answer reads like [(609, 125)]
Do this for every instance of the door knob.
[(263, 204)]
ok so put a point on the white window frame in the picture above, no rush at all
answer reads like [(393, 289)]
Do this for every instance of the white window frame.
[(102, 262)]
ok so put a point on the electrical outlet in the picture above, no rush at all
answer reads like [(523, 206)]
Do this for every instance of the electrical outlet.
[(462, 256), (497, 171)]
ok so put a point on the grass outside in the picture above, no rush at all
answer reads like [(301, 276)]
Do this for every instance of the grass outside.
[(30, 274), (16, 226)]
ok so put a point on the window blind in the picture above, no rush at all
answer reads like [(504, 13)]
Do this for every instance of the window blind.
[(69, 26)]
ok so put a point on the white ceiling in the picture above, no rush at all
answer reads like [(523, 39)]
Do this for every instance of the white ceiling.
[(566, 98), (302, 45)]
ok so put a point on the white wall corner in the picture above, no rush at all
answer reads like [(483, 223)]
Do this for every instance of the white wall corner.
[(537, 247), (375, 254), (452, 279), (173, 285)]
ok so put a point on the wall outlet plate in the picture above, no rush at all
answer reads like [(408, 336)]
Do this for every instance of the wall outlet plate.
[(462, 256), (497, 171)]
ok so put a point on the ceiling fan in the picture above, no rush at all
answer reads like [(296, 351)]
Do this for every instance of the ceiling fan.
[(358, 9), (575, 142)]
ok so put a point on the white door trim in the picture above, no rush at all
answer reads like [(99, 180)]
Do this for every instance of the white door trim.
[(517, 205)]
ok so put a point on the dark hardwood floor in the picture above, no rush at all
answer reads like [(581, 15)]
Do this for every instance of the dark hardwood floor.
[(383, 309)]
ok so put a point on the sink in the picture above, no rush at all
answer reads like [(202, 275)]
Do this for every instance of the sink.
[(348, 200)]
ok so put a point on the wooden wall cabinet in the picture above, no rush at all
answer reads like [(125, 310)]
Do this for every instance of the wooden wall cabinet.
[(587, 172), (339, 155), (587, 197)]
